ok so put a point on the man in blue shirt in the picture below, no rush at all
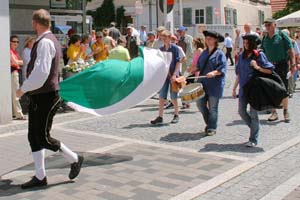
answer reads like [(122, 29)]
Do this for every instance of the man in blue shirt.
[(173, 73)]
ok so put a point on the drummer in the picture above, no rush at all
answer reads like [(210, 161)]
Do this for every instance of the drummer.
[(212, 64)]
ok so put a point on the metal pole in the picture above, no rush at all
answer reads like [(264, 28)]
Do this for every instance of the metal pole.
[(150, 15), (180, 13), (165, 12), (157, 2), (84, 29)]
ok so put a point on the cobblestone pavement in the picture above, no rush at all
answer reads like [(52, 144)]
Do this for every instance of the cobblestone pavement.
[(127, 158)]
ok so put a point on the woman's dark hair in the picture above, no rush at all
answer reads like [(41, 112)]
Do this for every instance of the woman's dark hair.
[(199, 43), (12, 37), (74, 38), (252, 46)]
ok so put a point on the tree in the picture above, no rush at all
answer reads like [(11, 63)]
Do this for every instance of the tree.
[(120, 16), (104, 14), (291, 6)]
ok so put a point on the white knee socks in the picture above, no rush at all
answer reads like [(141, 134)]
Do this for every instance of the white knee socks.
[(68, 153), (39, 164)]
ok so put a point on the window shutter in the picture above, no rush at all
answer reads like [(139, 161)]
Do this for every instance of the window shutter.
[(235, 17), (187, 16), (209, 15)]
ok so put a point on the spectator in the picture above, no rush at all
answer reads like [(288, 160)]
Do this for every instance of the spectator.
[(108, 41), (159, 42), (143, 35), (76, 52), (99, 49), (150, 40), (133, 43), (279, 51), (120, 52), (15, 65), (29, 41), (186, 43), (114, 32), (228, 45)]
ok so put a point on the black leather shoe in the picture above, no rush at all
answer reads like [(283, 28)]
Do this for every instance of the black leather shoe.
[(34, 182), (75, 168)]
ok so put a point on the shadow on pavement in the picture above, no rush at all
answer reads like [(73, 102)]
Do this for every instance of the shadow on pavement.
[(145, 106), (9, 189), (56, 161), (214, 147), (181, 137), (262, 122), (90, 159), (147, 125)]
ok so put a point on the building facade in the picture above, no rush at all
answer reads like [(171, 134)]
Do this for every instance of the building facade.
[(221, 15)]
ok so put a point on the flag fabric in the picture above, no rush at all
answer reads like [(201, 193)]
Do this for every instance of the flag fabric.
[(114, 85)]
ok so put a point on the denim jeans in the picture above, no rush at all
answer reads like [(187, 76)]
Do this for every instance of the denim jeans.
[(208, 106), (251, 119)]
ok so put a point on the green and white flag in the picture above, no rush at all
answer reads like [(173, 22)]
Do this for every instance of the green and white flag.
[(114, 85)]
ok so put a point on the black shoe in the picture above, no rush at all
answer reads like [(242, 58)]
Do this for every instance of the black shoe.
[(157, 120), (75, 168), (170, 105), (34, 182), (175, 119)]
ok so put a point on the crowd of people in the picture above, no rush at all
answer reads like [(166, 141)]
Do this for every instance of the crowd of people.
[(271, 53)]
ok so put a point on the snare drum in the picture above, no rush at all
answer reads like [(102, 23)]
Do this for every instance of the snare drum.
[(192, 92)]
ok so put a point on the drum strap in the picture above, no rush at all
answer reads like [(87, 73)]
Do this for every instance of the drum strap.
[(205, 62)]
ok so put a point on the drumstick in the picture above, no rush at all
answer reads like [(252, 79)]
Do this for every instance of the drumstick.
[(194, 77)]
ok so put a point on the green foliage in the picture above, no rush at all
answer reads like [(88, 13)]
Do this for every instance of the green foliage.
[(292, 6), (104, 14)]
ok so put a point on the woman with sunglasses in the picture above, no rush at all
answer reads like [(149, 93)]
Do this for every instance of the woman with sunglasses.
[(15, 65)]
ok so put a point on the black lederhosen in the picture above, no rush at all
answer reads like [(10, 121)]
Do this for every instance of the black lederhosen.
[(42, 108), (282, 68)]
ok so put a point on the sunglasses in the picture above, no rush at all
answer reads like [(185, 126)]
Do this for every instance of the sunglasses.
[(14, 41)]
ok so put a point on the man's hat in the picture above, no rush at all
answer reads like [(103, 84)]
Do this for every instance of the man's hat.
[(270, 20), (214, 34), (182, 28), (252, 37), (160, 28)]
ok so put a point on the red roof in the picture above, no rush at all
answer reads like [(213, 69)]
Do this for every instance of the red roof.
[(278, 5)]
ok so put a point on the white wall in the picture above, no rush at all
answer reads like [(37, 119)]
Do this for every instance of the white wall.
[(5, 94)]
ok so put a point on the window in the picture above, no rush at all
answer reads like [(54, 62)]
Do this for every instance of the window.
[(187, 16), (199, 16)]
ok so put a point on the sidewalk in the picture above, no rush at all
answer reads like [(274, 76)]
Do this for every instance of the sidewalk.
[(127, 158)]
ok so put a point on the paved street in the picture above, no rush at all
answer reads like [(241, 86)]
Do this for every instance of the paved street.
[(127, 158)]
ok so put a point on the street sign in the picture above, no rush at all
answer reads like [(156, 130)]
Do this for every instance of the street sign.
[(170, 5), (138, 7)]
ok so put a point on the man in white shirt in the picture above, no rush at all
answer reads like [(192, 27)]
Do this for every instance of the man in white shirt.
[(42, 88), (248, 30), (228, 45)]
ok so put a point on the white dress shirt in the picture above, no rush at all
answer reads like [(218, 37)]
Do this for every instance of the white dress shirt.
[(39, 75)]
